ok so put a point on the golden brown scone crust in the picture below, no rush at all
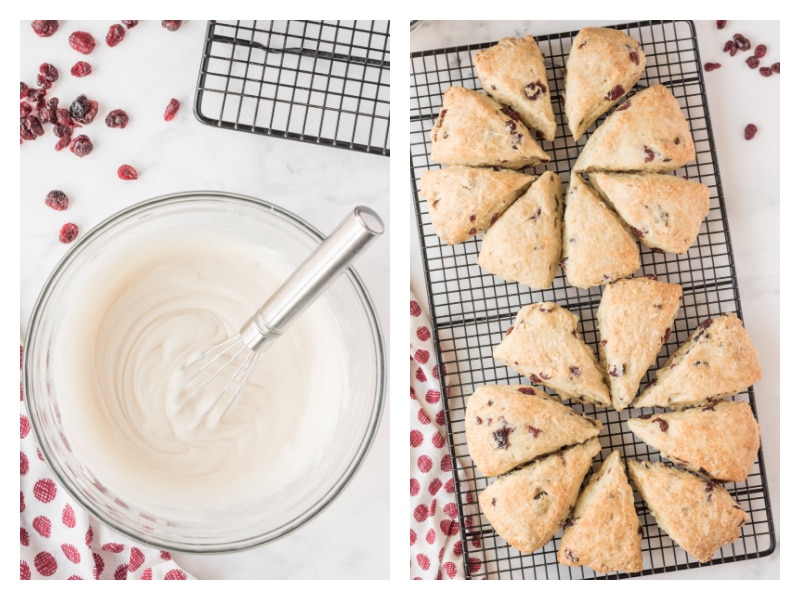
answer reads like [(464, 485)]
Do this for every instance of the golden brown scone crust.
[(528, 506), (634, 319), (664, 211), (603, 65), (648, 132), (720, 441), (524, 244), (544, 345), (598, 247), (475, 131), (509, 425), (513, 73), (697, 514), (603, 532), (465, 201), (718, 360)]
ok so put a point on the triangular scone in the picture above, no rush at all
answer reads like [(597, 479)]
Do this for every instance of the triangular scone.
[(513, 73), (604, 532), (634, 319), (465, 201), (528, 506), (509, 425), (718, 360), (524, 244), (663, 211), (544, 345), (647, 133), (699, 515), (603, 65), (475, 131), (720, 441), (597, 246)]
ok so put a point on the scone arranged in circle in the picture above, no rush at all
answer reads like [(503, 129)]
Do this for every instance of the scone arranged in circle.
[(524, 244), (634, 319), (475, 131), (699, 515), (529, 505), (597, 246), (648, 132), (603, 532), (663, 211), (513, 73), (544, 345), (509, 425), (465, 201), (603, 65), (718, 360), (720, 441)]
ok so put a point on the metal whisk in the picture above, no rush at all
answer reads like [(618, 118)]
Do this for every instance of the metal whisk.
[(211, 382)]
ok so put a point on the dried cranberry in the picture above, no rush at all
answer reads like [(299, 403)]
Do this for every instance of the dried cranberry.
[(127, 173), (750, 131), (728, 45), (116, 33), (615, 93), (63, 142), (711, 66), (649, 155), (81, 146), (81, 69), (117, 119), (500, 437), (171, 25), (776, 67), (130, 24), (61, 131), (662, 424), (82, 110), (82, 41), (48, 72), (634, 56), (528, 391), (64, 118), (534, 431), (742, 43), (760, 51), (24, 109), (535, 89), (30, 128), (44, 28), (69, 231), (57, 200), (752, 62), (172, 109), (23, 90), (721, 24), (765, 71)]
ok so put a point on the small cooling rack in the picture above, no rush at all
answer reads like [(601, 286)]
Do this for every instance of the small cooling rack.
[(471, 309), (322, 82)]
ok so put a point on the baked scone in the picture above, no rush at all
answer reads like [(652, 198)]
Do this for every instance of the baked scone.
[(648, 132), (513, 73), (475, 131), (524, 244), (699, 515), (718, 360), (634, 319), (529, 505), (597, 246), (465, 201), (603, 65), (720, 441), (509, 425), (544, 345), (663, 211), (604, 532)]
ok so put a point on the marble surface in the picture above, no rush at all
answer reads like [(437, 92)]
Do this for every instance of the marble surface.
[(749, 172), (350, 540)]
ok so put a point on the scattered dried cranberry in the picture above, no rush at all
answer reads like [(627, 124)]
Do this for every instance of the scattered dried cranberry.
[(127, 173), (750, 131), (615, 93), (752, 62), (709, 66), (57, 200), (81, 69), (765, 71), (44, 28), (776, 67), (171, 25), (82, 41), (24, 109), (760, 51), (23, 90), (63, 142), (81, 146), (47, 72), (662, 424), (116, 33), (130, 24), (30, 128), (172, 109), (82, 110), (61, 131), (742, 43), (721, 24), (69, 231), (117, 119)]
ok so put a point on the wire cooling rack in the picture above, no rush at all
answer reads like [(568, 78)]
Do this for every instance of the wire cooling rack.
[(471, 308), (323, 82)]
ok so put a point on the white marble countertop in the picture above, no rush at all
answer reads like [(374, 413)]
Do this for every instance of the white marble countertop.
[(749, 172), (350, 540)]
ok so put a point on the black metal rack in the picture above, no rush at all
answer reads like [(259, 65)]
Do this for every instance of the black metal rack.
[(322, 82), (471, 309)]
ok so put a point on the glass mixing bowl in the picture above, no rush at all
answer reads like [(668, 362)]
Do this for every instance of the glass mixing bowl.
[(231, 526)]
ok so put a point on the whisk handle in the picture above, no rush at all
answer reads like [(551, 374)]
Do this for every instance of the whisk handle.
[(333, 256)]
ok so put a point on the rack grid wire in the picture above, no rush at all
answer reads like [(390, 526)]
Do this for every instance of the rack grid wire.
[(322, 82), (471, 309)]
